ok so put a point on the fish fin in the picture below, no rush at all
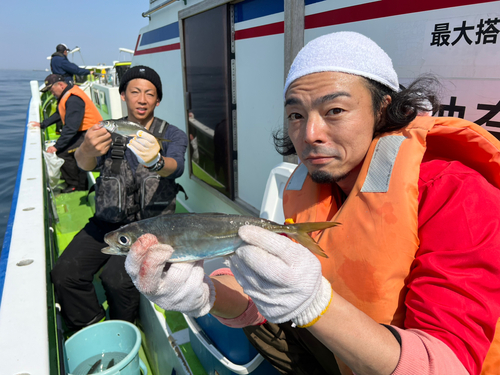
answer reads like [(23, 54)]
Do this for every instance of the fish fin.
[(161, 140), (301, 235), (305, 240), (95, 367), (110, 364)]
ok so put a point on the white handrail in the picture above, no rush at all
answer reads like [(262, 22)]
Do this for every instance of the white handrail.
[(24, 344)]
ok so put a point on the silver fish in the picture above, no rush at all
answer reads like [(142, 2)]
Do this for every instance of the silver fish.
[(126, 128), (203, 236)]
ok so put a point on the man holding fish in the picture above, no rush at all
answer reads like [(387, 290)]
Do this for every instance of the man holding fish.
[(410, 281), (139, 158)]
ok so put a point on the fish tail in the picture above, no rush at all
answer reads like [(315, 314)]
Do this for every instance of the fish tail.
[(161, 140), (300, 234), (313, 226), (306, 241)]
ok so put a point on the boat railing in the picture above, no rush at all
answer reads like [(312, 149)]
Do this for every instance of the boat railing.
[(26, 296)]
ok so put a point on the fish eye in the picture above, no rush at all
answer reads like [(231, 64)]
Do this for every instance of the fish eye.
[(123, 240)]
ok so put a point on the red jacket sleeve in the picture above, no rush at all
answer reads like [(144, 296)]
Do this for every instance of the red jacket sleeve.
[(453, 286)]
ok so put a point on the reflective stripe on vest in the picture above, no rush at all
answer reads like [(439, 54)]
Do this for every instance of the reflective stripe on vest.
[(91, 116), (370, 254)]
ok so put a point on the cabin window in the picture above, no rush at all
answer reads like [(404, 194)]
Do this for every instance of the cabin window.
[(209, 98)]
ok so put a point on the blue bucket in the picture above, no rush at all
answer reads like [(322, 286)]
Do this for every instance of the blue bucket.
[(107, 348)]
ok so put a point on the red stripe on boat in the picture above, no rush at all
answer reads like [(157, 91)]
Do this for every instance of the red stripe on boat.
[(169, 47)]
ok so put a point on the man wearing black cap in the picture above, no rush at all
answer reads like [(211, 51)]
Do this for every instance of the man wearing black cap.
[(137, 181), (78, 113), (59, 64)]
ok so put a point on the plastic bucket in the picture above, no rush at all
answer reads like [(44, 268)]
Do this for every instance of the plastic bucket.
[(110, 347)]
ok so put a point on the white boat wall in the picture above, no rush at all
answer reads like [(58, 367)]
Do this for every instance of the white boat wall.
[(24, 314), (223, 66), (455, 39)]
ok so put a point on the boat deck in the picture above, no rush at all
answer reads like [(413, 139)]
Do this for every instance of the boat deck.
[(73, 211)]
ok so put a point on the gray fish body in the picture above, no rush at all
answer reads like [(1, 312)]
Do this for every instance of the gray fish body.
[(127, 129), (193, 236), (203, 236), (123, 127)]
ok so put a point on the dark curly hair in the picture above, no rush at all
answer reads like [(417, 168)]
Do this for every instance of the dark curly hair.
[(420, 96)]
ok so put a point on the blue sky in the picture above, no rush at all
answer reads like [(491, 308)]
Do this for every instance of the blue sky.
[(30, 30)]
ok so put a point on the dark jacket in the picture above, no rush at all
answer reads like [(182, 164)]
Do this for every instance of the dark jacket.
[(59, 64)]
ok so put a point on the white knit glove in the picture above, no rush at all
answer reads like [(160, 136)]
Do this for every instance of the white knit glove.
[(282, 277), (146, 148), (180, 287)]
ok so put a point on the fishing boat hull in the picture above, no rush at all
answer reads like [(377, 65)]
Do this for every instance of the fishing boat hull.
[(223, 66)]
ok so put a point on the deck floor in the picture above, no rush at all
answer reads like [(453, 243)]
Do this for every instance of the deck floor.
[(73, 211)]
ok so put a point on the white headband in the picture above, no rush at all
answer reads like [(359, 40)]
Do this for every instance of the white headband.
[(346, 52)]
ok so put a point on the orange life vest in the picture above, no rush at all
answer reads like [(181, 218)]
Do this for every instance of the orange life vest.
[(91, 116), (378, 237)]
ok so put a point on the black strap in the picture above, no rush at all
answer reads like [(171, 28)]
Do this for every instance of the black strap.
[(180, 188), (158, 127), (134, 209), (394, 332), (118, 148), (132, 189)]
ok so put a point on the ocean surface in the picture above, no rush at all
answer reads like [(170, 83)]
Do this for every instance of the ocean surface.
[(15, 93)]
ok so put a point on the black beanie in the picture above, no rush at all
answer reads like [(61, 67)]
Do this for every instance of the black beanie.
[(144, 72)]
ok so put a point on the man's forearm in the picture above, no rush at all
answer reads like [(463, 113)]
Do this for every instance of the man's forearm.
[(230, 300), (361, 343), (75, 112), (85, 162), (50, 120), (232, 307), (169, 167)]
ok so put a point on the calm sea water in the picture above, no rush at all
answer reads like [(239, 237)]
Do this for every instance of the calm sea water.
[(15, 93)]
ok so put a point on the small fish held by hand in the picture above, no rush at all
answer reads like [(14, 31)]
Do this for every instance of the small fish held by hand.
[(203, 236), (126, 128)]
